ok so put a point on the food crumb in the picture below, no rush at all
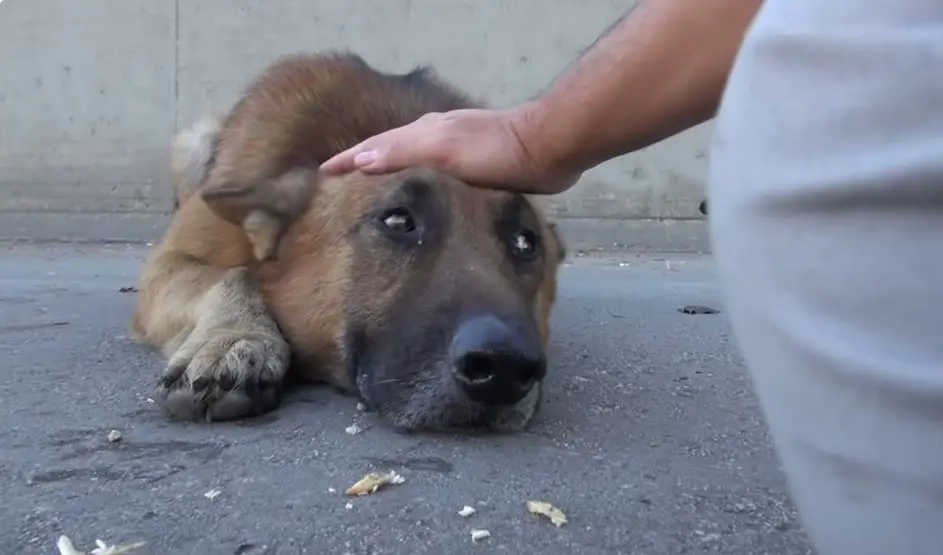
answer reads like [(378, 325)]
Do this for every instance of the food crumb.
[(114, 436), (361, 407), (548, 511), (353, 429), (373, 482), (105, 549), (66, 547), (212, 494), (349, 506), (467, 511), (331, 490), (479, 535)]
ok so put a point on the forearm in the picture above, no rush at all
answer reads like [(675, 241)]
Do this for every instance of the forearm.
[(659, 71)]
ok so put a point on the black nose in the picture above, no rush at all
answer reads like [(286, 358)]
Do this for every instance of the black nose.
[(494, 363)]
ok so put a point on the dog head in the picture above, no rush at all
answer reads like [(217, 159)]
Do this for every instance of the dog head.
[(427, 296)]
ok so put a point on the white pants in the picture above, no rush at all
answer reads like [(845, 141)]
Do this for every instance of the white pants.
[(826, 209)]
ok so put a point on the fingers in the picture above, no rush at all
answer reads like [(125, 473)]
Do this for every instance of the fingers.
[(367, 157), (379, 154), (416, 143), (346, 161), (377, 160)]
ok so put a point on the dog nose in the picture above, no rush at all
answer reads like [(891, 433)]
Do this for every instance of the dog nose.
[(494, 363)]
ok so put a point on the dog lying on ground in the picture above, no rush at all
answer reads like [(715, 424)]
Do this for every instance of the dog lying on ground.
[(426, 297)]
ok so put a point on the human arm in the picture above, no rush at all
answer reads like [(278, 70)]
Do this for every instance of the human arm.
[(658, 71)]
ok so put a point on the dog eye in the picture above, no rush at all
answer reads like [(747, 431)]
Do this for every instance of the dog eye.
[(524, 244), (398, 220)]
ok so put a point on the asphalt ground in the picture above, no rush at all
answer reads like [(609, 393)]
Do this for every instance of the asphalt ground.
[(650, 439)]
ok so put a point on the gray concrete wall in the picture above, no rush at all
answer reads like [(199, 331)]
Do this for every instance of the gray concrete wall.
[(92, 91)]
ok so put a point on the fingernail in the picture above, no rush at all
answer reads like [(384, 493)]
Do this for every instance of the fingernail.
[(365, 158)]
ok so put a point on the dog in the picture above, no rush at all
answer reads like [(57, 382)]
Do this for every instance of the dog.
[(427, 298)]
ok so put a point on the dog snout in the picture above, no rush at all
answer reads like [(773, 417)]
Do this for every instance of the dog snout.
[(495, 363)]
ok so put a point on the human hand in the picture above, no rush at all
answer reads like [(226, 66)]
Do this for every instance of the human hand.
[(486, 148)]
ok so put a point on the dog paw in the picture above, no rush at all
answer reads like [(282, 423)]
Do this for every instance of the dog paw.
[(224, 377)]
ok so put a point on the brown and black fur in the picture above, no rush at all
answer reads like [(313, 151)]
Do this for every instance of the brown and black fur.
[(268, 265)]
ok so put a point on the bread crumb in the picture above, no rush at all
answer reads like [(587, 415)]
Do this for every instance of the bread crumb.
[(373, 482), (479, 535), (353, 429), (467, 511), (114, 436), (548, 511), (105, 549), (66, 547), (212, 494)]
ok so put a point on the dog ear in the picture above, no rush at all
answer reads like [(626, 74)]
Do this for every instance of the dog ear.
[(264, 210)]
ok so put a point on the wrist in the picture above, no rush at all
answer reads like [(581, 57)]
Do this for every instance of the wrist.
[(546, 149)]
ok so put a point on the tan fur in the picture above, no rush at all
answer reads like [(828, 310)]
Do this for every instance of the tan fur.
[(263, 241)]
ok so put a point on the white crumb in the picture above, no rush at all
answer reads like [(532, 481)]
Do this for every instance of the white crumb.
[(331, 490), (467, 511), (349, 506), (479, 535), (353, 429), (212, 494), (361, 407), (114, 436), (105, 549), (66, 547)]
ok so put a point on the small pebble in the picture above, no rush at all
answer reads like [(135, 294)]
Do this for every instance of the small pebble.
[(114, 436)]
